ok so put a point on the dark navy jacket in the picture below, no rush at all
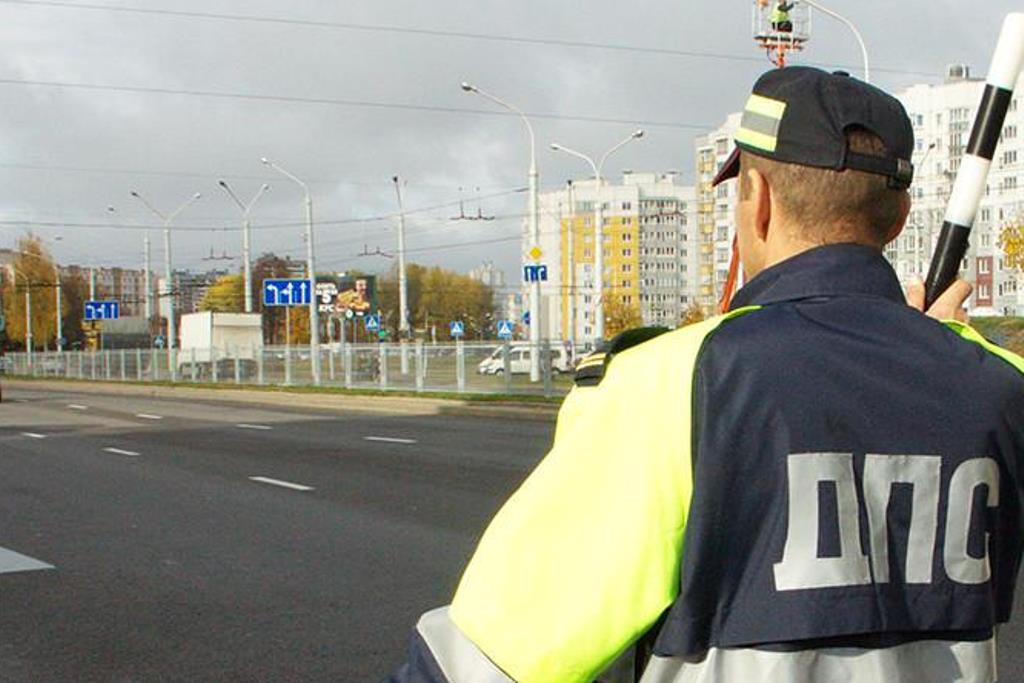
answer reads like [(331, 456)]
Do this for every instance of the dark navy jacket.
[(837, 367)]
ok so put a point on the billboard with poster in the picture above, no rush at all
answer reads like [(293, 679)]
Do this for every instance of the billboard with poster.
[(357, 294)]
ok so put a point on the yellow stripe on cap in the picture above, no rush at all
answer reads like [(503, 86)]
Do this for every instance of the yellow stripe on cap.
[(759, 104), (757, 140)]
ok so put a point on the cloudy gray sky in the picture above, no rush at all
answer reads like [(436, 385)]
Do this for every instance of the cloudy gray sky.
[(176, 100)]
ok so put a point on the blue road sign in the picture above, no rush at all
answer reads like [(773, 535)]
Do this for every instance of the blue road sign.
[(536, 272), (287, 293), (102, 310), (372, 323), (505, 329), (526, 318), (458, 329)]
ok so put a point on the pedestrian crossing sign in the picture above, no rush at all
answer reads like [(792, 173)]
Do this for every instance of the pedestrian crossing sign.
[(373, 323), (458, 329), (505, 329)]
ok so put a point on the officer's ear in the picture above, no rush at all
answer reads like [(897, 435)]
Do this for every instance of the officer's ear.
[(760, 198), (901, 221)]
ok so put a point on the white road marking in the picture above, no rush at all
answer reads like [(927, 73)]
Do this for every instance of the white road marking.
[(76, 406), (285, 484), (33, 435), (118, 451), (388, 439), (249, 426), (147, 416), (11, 561)]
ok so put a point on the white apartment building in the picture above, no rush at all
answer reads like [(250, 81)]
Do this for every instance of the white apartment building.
[(942, 116), (649, 252), (715, 207)]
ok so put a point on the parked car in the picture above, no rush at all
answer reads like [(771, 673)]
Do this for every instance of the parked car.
[(519, 360)]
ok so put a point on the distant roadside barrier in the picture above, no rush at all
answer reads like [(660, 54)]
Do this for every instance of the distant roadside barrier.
[(477, 368)]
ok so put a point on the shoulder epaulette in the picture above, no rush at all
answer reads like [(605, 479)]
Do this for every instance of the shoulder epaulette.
[(591, 368)]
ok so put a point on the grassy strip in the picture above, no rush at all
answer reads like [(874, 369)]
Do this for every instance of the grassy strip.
[(1007, 332), (501, 399)]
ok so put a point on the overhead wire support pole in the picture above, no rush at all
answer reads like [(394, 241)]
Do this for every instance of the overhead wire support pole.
[(403, 294), (536, 322), (172, 370), (246, 237), (314, 303)]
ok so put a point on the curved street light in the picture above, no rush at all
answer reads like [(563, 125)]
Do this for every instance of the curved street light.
[(246, 236), (168, 287), (314, 303), (598, 167), (535, 308), (856, 34)]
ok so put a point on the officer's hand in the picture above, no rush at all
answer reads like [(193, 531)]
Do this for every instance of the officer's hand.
[(949, 306)]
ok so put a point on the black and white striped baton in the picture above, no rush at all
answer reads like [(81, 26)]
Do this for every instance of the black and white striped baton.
[(969, 187)]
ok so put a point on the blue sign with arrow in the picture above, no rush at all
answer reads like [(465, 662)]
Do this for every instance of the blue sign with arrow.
[(506, 329), (458, 329), (287, 293), (102, 310), (535, 273)]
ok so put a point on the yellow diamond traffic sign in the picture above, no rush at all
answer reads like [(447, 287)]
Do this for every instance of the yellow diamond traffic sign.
[(536, 253)]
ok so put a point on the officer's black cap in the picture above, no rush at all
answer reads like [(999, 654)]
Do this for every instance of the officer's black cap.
[(800, 115)]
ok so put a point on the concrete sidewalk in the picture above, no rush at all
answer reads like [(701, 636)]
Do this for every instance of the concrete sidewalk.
[(334, 402)]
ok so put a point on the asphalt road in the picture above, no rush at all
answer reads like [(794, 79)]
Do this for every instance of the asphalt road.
[(172, 563), (165, 540)]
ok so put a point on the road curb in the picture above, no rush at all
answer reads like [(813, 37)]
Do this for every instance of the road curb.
[(395, 405)]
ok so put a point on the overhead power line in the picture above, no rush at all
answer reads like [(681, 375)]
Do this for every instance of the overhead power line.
[(401, 106), (436, 33)]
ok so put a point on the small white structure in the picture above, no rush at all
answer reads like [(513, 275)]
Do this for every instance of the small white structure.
[(207, 337)]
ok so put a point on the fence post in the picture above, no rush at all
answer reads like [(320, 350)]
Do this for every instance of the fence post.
[(214, 370), (348, 366), (545, 360), (138, 364), (259, 366), (383, 355), (506, 361), (421, 367), (238, 367), (405, 357), (460, 366), (92, 365), (288, 365), (124, 367), (154, 364), (81, 365), (330, 362)]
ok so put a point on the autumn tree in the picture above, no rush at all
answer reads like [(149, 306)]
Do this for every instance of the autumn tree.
[(1011, 241), (226, 295), (33, 272), (620, 316), (437, 296), (694, 313)]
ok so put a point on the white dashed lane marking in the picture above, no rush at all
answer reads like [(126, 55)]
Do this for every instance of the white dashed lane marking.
[(283, 484), (147, 416), (11, 561), (118, 451), (77, 406), (33, 435), (388, 439), (263, 428)]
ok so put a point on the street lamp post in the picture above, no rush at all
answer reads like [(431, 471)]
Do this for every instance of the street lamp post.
[(28, 313), (246, 237), (598, 226), (168, 286), (536, 324), (314, 303), (856, 34), (147, 291), (403, 292)]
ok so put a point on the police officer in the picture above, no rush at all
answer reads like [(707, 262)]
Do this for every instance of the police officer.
[(780, 17), (824, 484)]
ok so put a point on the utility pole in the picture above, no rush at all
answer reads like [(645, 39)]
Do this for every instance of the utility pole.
[(60, 321), (247, 238), (571, 280), (403, 293)]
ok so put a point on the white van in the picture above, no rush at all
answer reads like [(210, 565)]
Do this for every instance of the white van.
[(519, 360)]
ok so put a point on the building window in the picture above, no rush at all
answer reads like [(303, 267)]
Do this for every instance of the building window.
[(1009, 132), (627, 252), (983, 267), (984, 291), (1009, 157), (627, 237)]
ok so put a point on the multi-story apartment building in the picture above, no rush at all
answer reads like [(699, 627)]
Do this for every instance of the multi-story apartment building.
[(649, 257), (715, 209), (942, 116)]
